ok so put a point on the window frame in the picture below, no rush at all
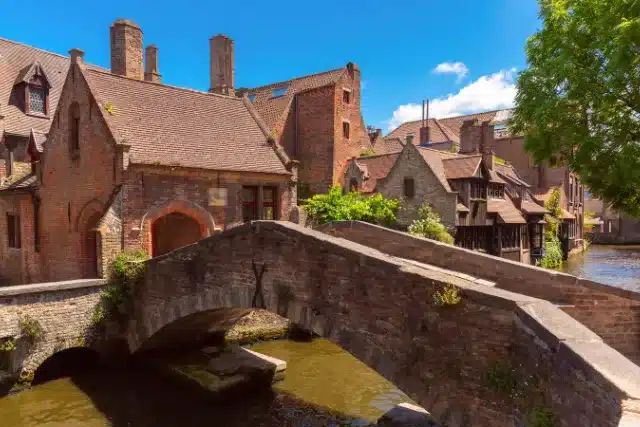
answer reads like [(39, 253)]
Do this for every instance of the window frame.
[(14, 237), (43, 90), (346, 129), (346, 96), (253, 204), (273, 204), (409, 188)]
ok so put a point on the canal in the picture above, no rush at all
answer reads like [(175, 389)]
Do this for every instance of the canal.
[(611, 265), (323, 386)]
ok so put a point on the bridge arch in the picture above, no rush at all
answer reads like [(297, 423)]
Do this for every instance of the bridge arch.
[(159, 225), (66, 362)]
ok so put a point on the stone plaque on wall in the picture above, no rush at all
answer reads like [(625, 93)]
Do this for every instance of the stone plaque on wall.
[(217, 197)]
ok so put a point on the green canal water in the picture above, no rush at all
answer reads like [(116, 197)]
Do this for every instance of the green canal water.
[(323, 386)]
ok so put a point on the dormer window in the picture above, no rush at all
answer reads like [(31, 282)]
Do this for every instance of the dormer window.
[(275, 93), (496, 191), (37, 99)]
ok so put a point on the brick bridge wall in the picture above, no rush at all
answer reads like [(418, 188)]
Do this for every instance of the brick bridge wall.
[(611, 312), (381, 310), (63, 309)]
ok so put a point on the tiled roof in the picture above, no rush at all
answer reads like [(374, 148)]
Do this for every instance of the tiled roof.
[(567, 214), (510, 173), (439, 132), (386, 145), (21, 178), (531, 207), (173, 126), (375, 167), (506, 210), (461, 208), (16, 62), (39, 139), (543, 194), (272, 110), (461, 166), (455, 123)]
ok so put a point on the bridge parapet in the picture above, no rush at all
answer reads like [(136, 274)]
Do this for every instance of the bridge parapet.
[(452, 358)]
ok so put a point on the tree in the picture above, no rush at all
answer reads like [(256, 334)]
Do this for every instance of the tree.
[(353, 206), (429, 226), (578, 102)]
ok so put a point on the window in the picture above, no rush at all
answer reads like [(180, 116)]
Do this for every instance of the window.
[(510, 236), (252, 97), (74, 127), (37, 100), (478, 189), (278, 92), (496, 191), (269, 205), (474, 238), (524, 231), (409, 189), (13, 230), (346, 96), (345, 130), (249, 203), (353, 184)]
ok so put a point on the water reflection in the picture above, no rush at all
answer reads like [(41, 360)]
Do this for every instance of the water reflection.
[(612, 265), (323, 386)]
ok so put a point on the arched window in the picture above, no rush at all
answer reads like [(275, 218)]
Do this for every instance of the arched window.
[(74, 127)]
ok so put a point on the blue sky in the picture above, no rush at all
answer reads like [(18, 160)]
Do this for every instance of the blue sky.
[(479, 45)]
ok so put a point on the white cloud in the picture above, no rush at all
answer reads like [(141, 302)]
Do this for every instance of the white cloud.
[(488, 93), (457, 68)]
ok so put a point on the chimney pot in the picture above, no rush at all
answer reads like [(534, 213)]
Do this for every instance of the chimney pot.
[(221, 65), (151, 73), (77, 55), (126, 49)]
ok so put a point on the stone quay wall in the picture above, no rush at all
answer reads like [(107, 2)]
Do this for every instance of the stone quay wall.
[(611, 312), (494, 358)]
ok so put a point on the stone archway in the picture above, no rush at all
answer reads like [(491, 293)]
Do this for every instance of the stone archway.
[(191, 218), (87, 225)]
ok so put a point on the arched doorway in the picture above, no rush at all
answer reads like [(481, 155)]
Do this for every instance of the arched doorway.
[(173, 231)]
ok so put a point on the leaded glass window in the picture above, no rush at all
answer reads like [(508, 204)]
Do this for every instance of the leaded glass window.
[(37, 100)]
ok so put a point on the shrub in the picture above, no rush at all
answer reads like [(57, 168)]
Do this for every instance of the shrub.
[(553, 255), (126, 271), (367, 152), (429, 226), (31, 328), (448, 296), (352, 206), (7, 345)]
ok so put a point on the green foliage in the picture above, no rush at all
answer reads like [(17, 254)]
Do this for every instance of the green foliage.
[(429, 226), (554, 218), (553, 256), (448, 296), (502, 378), (126, 271), (109, 108), (31, 329), (499, 160), (541, 416), (353, 206), (578, 102), (304, 192), (8, 344), (367, 152)]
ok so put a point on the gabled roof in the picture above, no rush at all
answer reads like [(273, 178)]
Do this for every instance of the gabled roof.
[(273, 109), (375, 168), (531, 207), (462, 166), (509, 173), (386, 145), (17, 61), (434, 158), (505, 210), (28, 72), (38, 140), (173, 126)]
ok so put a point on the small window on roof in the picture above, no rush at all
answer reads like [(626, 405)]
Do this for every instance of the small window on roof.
[(252, 97), (37, 99), (278, 92)]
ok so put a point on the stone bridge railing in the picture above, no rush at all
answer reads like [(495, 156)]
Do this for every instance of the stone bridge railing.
[(493, 358), (611, 312)]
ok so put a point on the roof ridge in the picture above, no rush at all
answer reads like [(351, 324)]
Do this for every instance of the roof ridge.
[(377, 155), (454, 117), (35, 48), (295, 78), (185, 89)]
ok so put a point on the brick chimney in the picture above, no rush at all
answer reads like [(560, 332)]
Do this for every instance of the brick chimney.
[(126, 49), (470, 137), (151, 73), (221, 62), (77, 56), (425, 134), (374, 135)]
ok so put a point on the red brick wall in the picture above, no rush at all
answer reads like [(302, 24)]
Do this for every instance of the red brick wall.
[(74, 190)]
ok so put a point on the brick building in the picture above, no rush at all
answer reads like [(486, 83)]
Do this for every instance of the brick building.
[(99, 161), (612, 226), (484, 202), (446, 134)]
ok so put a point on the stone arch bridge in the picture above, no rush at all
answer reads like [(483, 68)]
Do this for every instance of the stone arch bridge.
[(382, 310)]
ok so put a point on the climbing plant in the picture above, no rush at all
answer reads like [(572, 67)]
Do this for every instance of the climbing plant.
[(8, 345), (125, 272), (31, 329), (553, 248)]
